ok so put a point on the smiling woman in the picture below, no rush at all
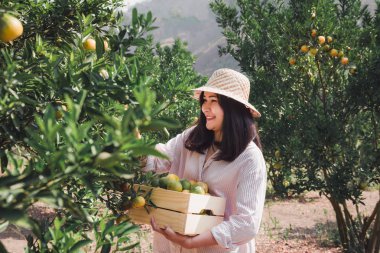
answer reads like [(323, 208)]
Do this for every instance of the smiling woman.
[(224, 151)]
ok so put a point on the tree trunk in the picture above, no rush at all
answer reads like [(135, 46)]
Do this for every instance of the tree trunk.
[(343, 233), (374, 242)]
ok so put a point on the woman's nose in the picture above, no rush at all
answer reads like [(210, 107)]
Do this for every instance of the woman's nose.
[(205, 107)]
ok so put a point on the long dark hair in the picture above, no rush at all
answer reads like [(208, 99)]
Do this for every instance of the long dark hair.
[(238, 130)]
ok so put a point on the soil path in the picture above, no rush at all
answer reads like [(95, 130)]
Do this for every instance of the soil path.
[(304, 225)]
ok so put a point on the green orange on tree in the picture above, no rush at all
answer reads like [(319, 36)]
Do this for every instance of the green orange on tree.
[(313, 51)]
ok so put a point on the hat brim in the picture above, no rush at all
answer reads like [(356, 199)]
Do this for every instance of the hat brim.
[(197, 92)]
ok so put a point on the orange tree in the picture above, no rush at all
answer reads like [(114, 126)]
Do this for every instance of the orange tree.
[(314, 69), (70, 114)]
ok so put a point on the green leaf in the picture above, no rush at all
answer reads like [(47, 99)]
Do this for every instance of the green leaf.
[(80, 244)]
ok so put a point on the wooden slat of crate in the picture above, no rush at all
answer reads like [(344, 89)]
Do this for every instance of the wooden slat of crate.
[(186, 224), (185, 202)]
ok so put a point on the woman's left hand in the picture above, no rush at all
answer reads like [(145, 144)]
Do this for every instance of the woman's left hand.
[(171, 235)]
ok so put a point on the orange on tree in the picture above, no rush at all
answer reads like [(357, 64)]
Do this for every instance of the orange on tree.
[(292, 61), (10, 27), (333, 52), (105, 45), (313, 51), (329, 39), (321, 40), (304, 48), (313, 33), (138, 202), (344, 60), (89, 44)]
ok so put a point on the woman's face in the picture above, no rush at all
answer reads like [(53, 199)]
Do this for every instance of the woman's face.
[(214, 114)]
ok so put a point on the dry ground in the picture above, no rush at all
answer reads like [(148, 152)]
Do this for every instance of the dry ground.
[(305, 225)]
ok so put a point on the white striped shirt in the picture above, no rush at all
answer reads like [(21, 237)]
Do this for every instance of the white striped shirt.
[(241, 182)]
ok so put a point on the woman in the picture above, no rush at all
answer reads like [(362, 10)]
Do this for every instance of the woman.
[(224, 151)]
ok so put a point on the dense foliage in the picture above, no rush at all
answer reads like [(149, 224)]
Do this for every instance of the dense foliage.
[(314, 70), (76, 90)]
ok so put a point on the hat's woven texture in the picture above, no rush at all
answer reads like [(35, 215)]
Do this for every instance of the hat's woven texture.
[(229, 83)]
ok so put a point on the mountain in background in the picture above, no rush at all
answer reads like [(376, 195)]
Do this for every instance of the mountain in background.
[(194, 22)]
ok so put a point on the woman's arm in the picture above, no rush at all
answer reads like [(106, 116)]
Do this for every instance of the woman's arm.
[(202, 240)]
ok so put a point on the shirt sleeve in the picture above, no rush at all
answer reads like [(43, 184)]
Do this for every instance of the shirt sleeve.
[(171, 149), (244, 225)]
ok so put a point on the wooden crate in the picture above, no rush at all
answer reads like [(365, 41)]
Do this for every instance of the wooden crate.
[(186, 224), (180, 211), (185, 202)]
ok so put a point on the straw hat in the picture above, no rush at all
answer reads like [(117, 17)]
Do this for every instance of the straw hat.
[(229, 83)]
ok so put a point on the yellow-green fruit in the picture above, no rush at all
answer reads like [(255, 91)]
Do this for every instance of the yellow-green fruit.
[(163, 182), (277, 154), (333, 52), (10, 28), (313, 51), (277, 166), (89, 44), (186, 185), (329, 39), (203, 185), (174, 185), (173, 176), (138, 202), (197, 190)]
